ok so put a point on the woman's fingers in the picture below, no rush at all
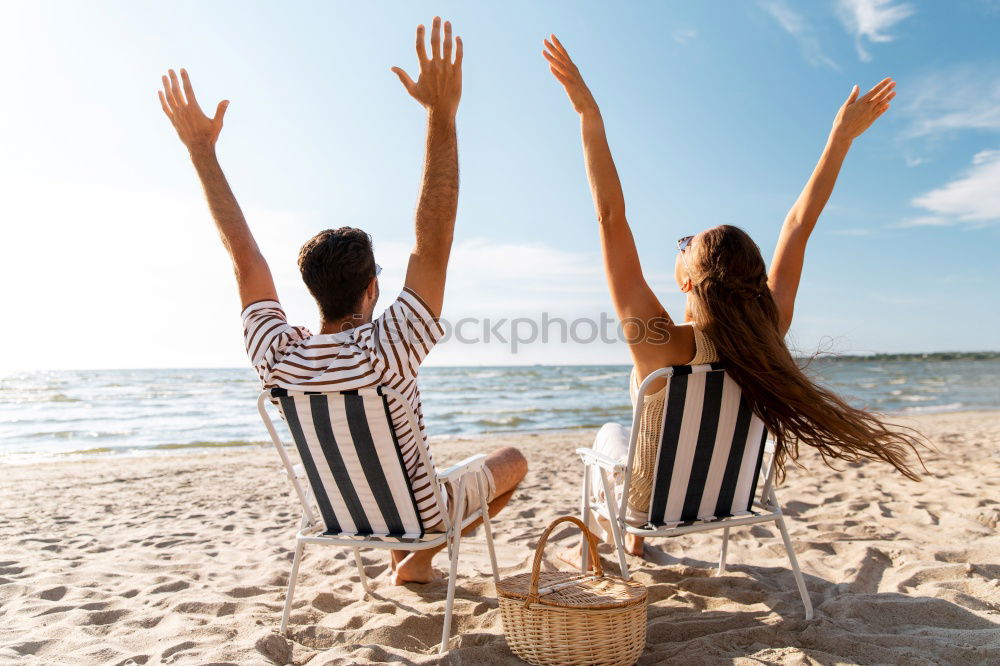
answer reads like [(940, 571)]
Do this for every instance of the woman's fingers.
[(853, 96), (878, 88), (562, 49), (554, 52), (559, 75), (886, 97), (458, 52), (555, 63)]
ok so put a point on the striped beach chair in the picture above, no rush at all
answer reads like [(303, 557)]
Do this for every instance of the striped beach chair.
[(353, 486), (708, 467)]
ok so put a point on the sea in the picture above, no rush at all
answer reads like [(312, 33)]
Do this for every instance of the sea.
[(65, 415)]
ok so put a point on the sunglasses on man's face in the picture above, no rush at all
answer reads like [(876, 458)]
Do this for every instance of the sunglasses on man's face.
[(683, 243), (378, 269)]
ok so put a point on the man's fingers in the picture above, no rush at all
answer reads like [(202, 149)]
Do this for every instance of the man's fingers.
[(175, 88), (220, 111), (188, 90), (436, 38), (446, 54), (458, 51), (405, 79), (163, 103), (854, 95), (171, 100), (421, 45)]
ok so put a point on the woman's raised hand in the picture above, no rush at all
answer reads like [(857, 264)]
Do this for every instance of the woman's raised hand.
[(857, 115), (563, 68)]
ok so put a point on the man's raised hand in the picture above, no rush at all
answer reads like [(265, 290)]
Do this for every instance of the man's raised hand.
[(439, 85), (195, 129)]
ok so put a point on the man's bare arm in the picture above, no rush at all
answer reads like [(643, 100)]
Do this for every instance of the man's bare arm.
[(438, 89), (199, 133)]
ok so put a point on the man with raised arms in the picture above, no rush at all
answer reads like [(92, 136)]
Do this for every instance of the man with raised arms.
[(352, 350)]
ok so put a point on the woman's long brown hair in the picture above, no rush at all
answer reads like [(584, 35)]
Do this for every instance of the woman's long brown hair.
[(734, 307)]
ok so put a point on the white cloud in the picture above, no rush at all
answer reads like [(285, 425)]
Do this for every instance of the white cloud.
[(871, 19), (684, 35), (958, 98), (793, 23), (972, 199)]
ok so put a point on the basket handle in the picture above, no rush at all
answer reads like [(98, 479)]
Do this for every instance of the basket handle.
[(595, 560)]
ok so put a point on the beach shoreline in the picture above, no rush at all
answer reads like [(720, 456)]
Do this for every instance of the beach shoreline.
[(190, 450), (183, 558)]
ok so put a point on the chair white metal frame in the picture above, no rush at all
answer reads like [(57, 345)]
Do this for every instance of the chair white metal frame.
[(763, 508), (313, 529)]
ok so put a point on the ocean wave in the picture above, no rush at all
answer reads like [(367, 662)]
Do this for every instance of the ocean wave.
[(936, 409), (160, 447)]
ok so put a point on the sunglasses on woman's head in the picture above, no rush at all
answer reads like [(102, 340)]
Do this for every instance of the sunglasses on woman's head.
[(682, 243), (378, 269)]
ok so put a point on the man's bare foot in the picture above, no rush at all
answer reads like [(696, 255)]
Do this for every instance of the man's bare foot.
[(395, 557), (634, 545), (415, 568)]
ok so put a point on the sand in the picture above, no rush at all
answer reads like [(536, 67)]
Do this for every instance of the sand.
[(184, 560)]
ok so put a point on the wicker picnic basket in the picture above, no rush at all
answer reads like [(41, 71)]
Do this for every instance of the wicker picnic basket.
[(559, 617)]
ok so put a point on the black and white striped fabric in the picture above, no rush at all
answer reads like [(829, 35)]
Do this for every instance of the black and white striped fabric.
[(710, 452), (352, 459)]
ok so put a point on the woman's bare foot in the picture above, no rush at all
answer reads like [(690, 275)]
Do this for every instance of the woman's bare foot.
[(571, 556), (634, 545), (415, 568)]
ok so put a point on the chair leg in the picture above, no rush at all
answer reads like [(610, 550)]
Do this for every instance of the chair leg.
[(725, 546), (486, 526), (585, 517), (299, 545), (616, 527), (456, 536), (803, 592), (361, 570)]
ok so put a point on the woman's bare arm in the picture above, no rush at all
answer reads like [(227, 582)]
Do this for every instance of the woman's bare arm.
[(853, 118), (635, 303)]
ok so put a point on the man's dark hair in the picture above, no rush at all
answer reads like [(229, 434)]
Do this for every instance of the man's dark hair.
[(337, 265)]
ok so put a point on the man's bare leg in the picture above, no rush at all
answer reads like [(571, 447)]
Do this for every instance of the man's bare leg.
[(508, 467)]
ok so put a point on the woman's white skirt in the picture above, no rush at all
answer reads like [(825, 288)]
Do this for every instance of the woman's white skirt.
[(612, 441)]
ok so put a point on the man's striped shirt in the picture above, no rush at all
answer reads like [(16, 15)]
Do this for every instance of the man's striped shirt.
[(386, 352)]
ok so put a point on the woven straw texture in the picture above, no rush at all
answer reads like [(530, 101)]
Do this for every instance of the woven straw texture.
[(571, 618)]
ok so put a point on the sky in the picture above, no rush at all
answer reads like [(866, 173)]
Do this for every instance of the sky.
[(716, 113)]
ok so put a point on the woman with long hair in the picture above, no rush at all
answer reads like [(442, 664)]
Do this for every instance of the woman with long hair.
[(737, 310)]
